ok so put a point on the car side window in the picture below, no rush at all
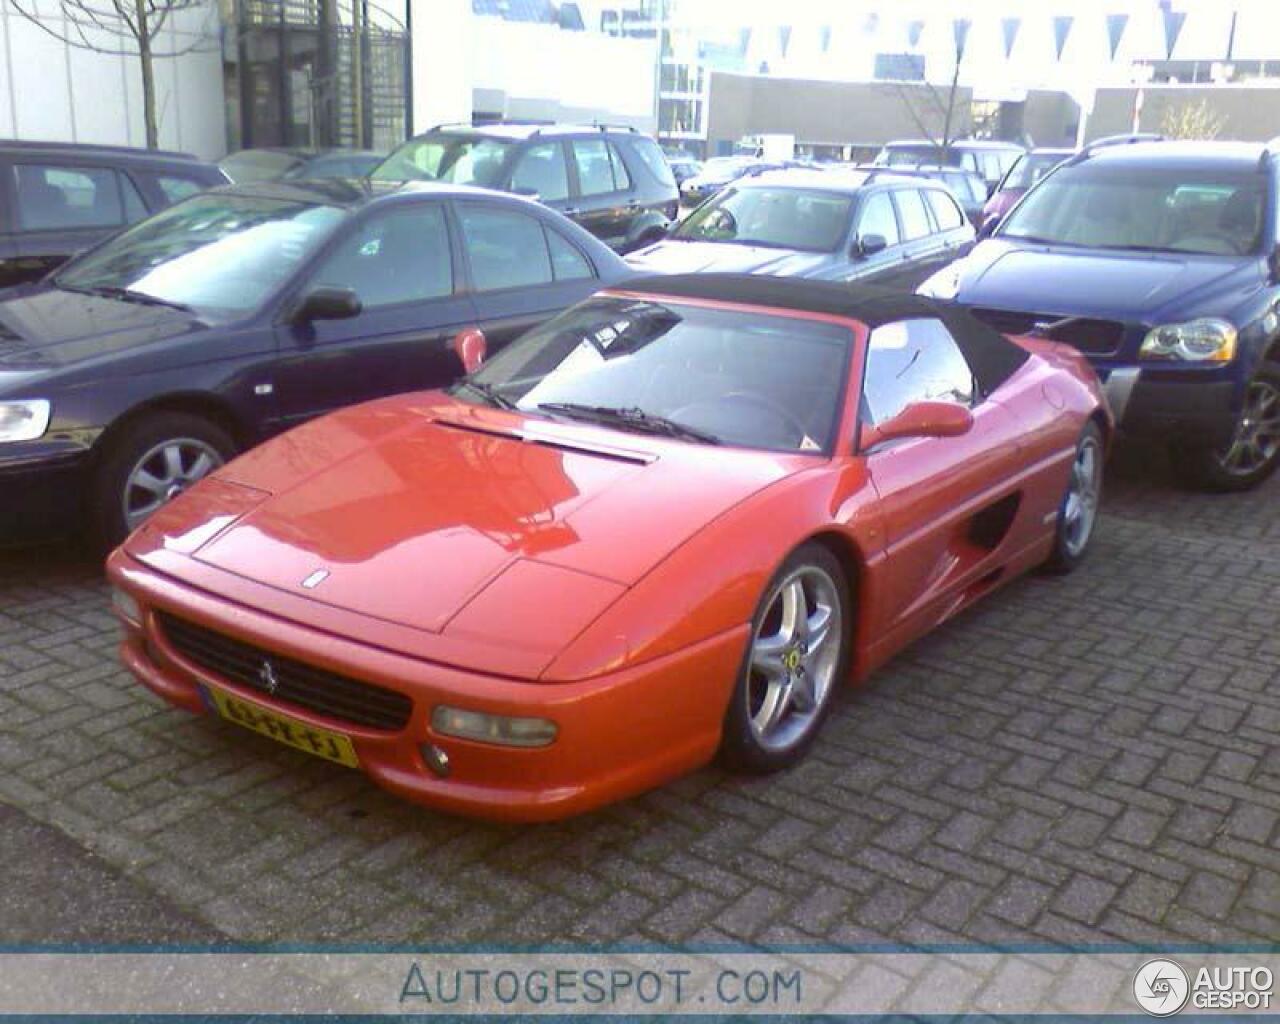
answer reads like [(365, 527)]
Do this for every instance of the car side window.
[(134, 208), (567, 263), (542, 171), (52, 197), (945, 212), (648, 151), (877, 218), (915, 218), (176, 189), (507, 249), (913, 361), (600, 167), (397, 256)]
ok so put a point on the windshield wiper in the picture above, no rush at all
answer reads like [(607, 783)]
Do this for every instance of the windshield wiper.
[(113, 291), (634, 418), (488, 391)]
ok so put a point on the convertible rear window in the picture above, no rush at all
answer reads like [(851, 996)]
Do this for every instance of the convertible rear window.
[(744, 378)]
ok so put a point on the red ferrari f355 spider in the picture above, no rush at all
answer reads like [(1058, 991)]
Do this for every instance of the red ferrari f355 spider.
[(666, 524)]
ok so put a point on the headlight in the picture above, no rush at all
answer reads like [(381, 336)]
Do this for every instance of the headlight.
[(508, 732), (945, 284), (24, 421), (1199, 341)]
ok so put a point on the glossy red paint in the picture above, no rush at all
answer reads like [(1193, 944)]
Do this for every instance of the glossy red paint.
[(508, 564)]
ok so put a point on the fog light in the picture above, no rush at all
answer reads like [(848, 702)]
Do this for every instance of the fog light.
[(437, 760), (509, 732), (126, 607)]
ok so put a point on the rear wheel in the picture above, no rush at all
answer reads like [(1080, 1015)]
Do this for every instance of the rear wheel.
[(798, 653), (1252, 454), (150, 463), (1078, 513)]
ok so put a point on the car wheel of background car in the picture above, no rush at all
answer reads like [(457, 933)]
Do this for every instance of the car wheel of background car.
[(151, 462), (1078, 513), (1252, 454), (798, 653)]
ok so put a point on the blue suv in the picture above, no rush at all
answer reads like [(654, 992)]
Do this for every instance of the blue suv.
[(1160, 261)]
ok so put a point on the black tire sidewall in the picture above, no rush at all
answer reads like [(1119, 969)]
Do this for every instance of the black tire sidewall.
[(121, 453), (739, 749)]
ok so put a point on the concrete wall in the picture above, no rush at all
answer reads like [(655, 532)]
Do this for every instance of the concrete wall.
[(1050, 118), (824, 112), (1249, 112), (55, 92)]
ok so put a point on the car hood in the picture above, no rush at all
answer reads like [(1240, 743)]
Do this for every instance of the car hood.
[(1071, 281), (676, 257), (501, 536), (46, 327)]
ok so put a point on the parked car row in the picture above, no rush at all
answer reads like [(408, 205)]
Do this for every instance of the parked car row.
[(651, 519)]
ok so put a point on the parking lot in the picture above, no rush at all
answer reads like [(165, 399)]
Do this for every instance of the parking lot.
[(1080, 760)]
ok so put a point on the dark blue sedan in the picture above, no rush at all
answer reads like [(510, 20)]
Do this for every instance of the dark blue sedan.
[(1160, 261), (147, 362)]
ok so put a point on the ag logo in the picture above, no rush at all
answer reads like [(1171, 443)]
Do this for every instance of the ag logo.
[(1161, 987)]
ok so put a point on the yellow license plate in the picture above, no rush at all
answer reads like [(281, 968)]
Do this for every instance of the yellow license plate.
[(332, 746)]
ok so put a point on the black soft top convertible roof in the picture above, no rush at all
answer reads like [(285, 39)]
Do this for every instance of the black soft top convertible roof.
[(991, 356)]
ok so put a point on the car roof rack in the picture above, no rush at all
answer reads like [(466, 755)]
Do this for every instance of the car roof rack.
[(1111, 141), (606, 126)]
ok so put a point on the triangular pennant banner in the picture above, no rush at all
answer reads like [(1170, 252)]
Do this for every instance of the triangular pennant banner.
[(784, 39), (1061, 29), (1010, 27), (1116, 24), (914, 29), (1173, 21), (961, 29)]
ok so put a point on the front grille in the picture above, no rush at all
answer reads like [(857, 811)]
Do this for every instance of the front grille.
[(1091, 336), (304, 686)]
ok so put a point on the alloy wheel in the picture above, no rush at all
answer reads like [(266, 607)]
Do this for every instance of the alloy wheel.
[(1257, 437), (1080, 510), (164, 472), (794, 658)]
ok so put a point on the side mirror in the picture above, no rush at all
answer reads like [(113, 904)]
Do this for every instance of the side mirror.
[(528, 193), (989, 225), (470, 347), (328, 303), (921, 419), (869, 245)]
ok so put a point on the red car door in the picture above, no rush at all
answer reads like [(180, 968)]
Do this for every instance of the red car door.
[(946, 502)]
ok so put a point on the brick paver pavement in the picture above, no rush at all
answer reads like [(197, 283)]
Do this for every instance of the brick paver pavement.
[(1089, 759)]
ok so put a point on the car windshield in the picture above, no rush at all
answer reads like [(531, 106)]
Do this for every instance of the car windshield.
[(458, 159), (810, 220), (1146, 208), (221, 255), (915, 155), (740, 378), (1030, 168)]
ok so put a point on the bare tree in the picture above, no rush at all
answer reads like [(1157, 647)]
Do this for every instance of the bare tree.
[(120, 27), (933, 109), (1192, 121)]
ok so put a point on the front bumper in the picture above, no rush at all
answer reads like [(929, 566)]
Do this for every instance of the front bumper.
[(43, 487), (1160, 404), (619, 733)]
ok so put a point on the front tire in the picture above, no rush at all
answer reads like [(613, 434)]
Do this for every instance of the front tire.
[(797, 656), (1078, 512), (1252, 454), (152, 461)]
